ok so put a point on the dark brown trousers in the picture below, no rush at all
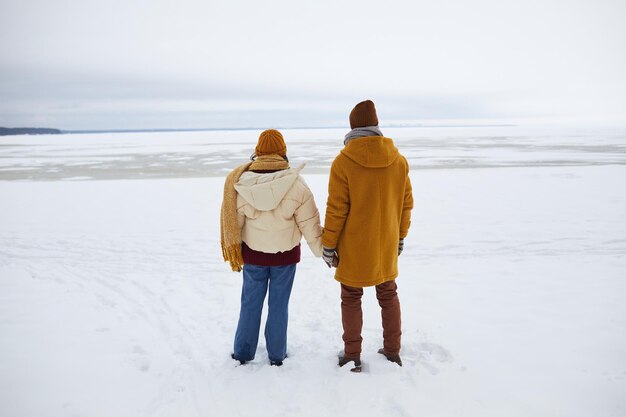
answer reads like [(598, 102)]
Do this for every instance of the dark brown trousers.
[(352, 318)]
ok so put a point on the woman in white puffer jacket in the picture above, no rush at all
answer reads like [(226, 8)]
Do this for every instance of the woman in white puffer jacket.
[(274, 209)]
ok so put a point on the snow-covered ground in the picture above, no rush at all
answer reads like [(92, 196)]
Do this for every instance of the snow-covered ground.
[(114, 300)]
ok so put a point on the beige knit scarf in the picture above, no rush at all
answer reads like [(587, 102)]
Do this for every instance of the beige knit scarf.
[(230, 234)]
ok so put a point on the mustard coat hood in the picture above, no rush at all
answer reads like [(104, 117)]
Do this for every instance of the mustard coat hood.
[(372, 151)]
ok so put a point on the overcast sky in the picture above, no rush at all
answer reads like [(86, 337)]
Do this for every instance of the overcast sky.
[(93, 64)]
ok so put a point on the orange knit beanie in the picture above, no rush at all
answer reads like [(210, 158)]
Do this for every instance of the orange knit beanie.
[(271, 142), (363, 114)]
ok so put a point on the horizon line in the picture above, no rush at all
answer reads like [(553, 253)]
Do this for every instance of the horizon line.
[(208, 129)]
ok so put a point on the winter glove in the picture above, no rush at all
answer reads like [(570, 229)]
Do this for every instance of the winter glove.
[(400, 246), (330, 257)]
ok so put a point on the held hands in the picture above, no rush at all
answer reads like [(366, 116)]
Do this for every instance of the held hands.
[(330, 257), (400, 246)]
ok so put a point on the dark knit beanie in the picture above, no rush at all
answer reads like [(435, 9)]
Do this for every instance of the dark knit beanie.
[(363, 114), (271, 143)]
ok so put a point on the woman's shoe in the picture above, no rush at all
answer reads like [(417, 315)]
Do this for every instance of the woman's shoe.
[(241, 361), (395, 358)]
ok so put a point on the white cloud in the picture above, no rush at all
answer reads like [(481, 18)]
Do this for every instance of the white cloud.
[(507, 59)]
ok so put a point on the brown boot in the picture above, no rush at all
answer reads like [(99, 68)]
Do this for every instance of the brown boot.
[(343, 359), (391, 358)]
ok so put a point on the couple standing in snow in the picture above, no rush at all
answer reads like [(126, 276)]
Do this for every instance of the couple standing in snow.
[(268, 207)]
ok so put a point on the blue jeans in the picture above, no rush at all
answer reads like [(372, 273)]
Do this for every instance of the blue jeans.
[(255, 282)]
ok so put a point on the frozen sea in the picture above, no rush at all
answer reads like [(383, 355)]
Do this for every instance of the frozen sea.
[(114, 300)]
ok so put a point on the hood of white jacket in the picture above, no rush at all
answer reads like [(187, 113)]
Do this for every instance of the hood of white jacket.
[(264, 192)]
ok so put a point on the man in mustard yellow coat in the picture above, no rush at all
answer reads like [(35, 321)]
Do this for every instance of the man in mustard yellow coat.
[(368, 215)]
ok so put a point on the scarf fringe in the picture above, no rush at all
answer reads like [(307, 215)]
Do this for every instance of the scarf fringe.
[(234, 256)]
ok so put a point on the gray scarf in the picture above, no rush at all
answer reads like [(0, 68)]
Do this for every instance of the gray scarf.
[(361, 132)]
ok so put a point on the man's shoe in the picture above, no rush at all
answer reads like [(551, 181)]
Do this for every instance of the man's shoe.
[(343, 359), (391, 358), (276, 363)]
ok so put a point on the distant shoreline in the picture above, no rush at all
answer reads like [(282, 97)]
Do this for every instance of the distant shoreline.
[(13, 131)]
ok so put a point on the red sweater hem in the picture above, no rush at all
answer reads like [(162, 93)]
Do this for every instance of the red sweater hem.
[(254, 257)]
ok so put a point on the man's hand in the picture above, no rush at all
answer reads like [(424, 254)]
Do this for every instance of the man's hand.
[(400, 246), (330, 257)]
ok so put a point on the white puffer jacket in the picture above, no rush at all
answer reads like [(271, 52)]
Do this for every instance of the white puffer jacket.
[(275, 210)]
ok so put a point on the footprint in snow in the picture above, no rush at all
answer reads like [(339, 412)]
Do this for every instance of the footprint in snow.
[(139, 358)]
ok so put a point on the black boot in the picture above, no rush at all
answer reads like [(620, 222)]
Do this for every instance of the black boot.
[(241, 361), (391, 358), (276, 363)]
